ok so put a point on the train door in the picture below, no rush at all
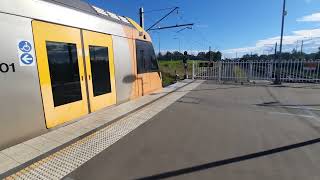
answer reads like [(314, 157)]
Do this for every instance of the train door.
[(142, 58), (61, 72), (99, 69), (143, 84)]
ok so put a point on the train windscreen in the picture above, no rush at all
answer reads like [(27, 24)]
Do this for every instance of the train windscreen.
[(146, 57)]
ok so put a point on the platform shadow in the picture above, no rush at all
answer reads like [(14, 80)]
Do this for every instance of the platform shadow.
[(224, 162), (278, 104), (285, 85)]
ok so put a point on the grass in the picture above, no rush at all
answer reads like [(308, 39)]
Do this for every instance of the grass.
[(169, 69), (239, 72)]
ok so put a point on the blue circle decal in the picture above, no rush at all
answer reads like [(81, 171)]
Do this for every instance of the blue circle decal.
[(26, 58), (25, 46)]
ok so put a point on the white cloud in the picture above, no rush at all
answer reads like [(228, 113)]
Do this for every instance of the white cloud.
[(311, 38), (291, 39), (310, 18)]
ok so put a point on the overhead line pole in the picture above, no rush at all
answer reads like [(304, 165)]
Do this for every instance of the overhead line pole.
[(210, 58), (302, 47), (141, 14), (284, 13)]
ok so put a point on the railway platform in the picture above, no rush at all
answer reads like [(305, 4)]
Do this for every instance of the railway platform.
[(30, 152), (191, 130)]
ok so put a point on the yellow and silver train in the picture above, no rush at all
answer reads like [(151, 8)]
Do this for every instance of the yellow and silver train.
[(62, 60)]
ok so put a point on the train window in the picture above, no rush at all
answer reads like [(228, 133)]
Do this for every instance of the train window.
[(146, 58), (141, 64), (99, 59), (64, 72)]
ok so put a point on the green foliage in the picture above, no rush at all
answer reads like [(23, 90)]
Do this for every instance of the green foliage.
[(294, 55), (168, 56), (169, 70), (317, 55)]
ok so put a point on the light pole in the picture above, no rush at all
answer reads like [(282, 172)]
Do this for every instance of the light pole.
[(284, 13), (302, 47), (159, 39), (159, 43), (179, 44), (305, 40)]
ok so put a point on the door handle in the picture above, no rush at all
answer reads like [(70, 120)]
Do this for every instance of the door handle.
[(81, 78), (89, 77)]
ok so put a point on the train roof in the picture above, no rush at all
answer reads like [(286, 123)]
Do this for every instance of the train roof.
[(85, 7), (73, 13)]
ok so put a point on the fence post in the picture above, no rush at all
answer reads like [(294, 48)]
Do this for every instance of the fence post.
[(220, 70), (251, 71), (270, 70), (193, 74)]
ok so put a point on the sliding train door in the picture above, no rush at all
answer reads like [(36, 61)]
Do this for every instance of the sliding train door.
[(99, 69), (61, 72)]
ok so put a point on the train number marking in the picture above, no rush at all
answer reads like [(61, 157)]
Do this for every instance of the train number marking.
[(5, 68)]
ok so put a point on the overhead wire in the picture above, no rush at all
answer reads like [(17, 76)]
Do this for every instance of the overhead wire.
[(157, 10)]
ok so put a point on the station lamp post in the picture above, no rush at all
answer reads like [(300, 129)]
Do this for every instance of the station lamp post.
[(284, 13), (159, 41), (178, 38)]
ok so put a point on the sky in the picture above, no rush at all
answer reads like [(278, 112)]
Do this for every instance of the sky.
[(234, 27)]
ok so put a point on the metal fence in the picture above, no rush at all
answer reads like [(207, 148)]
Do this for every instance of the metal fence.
[(290, 71)]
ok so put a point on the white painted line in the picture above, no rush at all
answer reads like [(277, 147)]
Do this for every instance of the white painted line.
[(300, 107), (315, 116), (289, 114)]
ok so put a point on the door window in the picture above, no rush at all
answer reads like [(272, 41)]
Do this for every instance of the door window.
[(100, 70), (64, 72)]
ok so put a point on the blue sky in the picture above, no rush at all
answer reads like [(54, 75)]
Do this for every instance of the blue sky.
[(234, 27)]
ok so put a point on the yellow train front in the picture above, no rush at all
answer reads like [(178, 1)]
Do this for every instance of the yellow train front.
[(61, 61)]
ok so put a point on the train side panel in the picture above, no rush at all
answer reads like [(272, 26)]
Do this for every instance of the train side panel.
[(147, 82), (22, 115), (125, 77), (21, 100), (156, 81)]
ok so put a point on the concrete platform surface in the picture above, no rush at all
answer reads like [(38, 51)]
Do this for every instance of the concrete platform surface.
[(221, 132), (202, 131)]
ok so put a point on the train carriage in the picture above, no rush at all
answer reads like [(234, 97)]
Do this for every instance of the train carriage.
[(64, 59)]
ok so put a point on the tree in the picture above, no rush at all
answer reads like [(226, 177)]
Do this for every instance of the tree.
[(177, 55), (160, 57), (218, 56), (201, 56), (208, 54), (246, 57), (317, 56), (215, 56)]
